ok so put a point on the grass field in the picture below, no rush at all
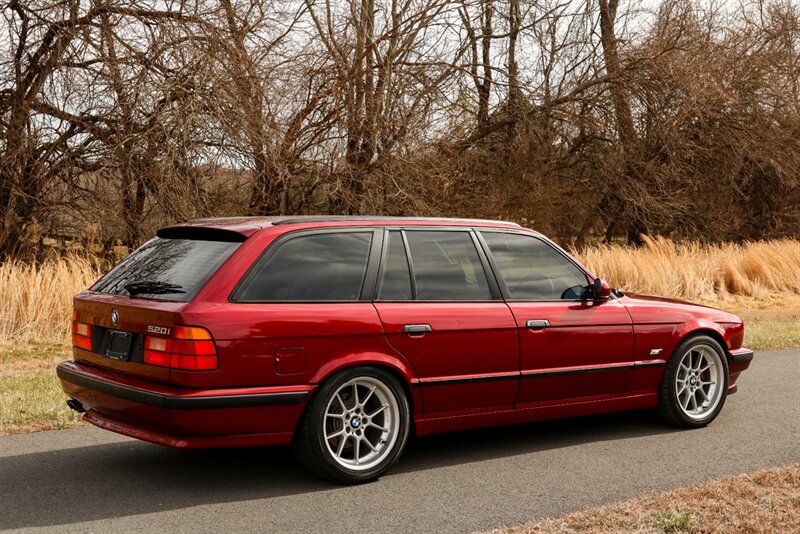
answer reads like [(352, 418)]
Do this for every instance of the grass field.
[(765, 502), (30, 395)]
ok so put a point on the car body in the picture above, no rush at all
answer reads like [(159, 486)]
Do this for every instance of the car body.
[(272, 312)]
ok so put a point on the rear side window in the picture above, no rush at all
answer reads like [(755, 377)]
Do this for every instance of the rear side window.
[(533, 270), (318, 267), (167, 269), (447, 267)]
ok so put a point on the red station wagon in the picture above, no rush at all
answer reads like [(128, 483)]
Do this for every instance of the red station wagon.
[(343, 335)]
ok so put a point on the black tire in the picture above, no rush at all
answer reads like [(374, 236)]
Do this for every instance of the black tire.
[(310, 442), (669, 405)]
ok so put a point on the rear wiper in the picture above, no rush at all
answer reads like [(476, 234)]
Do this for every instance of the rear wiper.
[(150, 287)]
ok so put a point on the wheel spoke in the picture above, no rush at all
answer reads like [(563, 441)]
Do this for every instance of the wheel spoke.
[(379, 410), (709, 383), (356, 449), (355, 395), (703, 393), (337, 433), (379, 427), (371, 391), (683, 388), (341, 445), (341, 403), (365, 440), (686, 402)]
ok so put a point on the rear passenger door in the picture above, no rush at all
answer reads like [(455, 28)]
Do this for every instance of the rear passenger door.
[(442, 310)]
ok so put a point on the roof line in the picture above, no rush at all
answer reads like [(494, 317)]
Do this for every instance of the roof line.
[(378, 218)]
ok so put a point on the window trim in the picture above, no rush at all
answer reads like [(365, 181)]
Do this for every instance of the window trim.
[(494, 288), (501, 280), (370, 273)]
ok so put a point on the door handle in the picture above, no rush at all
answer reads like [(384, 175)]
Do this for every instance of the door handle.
[(537, 324), (416, 329)]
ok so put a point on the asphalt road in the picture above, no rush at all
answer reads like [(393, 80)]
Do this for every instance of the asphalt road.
[(88, 480)]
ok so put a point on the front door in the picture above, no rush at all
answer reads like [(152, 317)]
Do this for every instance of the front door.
[(441, 311), (571, 347)]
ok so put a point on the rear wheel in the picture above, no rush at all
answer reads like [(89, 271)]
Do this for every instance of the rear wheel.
[(355, 427), (695, 384)]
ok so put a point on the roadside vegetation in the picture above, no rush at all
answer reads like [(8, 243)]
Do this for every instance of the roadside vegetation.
[(762, 502)]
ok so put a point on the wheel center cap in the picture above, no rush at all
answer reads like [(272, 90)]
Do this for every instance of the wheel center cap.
[(355, 422), (693, 381)]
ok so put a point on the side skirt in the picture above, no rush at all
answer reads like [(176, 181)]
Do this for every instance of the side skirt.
[(590, 406)]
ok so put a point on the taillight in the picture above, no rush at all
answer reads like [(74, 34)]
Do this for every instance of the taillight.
[(190, 348), (81, 333)]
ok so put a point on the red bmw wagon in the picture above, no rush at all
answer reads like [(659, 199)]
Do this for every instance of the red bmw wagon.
[(343, 335)]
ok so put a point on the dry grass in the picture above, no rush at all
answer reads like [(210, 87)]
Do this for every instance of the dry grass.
[(760, 270), (763, 502), (36, 300)]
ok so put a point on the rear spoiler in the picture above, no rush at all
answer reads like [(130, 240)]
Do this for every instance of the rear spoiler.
[(201, 233)]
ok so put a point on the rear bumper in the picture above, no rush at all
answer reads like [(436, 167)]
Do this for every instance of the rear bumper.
[(184, 418)]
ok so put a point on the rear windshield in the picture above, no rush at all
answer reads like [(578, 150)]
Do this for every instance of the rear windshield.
[(166, 269)]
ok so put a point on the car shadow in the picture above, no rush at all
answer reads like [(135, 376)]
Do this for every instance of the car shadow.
[(126, 478)]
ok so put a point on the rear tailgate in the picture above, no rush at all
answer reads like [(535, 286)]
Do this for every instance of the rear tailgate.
[(143, 295), (119, 346)]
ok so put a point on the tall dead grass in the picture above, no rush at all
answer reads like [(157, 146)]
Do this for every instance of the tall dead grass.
[(36, 300), (760, 270)]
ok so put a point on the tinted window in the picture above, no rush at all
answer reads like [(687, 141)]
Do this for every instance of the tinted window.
[(167, 269), (447, 267), (532, 269), (321, 267), (395, 280)]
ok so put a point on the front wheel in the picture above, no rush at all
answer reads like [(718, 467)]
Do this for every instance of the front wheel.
[(695, 384), (355, 427)]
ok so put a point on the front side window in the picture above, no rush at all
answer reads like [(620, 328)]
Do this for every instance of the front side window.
[(447, 267), (533, 270), (318, 267)]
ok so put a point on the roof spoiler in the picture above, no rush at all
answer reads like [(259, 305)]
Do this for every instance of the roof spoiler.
[(201, 233)]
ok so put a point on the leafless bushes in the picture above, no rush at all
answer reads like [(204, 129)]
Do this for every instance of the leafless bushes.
[(587, 120)]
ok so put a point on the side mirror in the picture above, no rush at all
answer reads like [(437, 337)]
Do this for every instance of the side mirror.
[(600, 289)]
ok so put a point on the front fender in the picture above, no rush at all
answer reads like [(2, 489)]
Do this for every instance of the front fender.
[(730, 335)]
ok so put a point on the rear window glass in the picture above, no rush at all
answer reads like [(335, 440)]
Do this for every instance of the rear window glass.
[(167, 269), (319, 267)]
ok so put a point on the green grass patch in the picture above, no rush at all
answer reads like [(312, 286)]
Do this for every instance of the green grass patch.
[(670, 522), (30, 393), (772, 334)]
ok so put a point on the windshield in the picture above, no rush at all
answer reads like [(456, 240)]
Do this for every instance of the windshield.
[(166, 269)]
